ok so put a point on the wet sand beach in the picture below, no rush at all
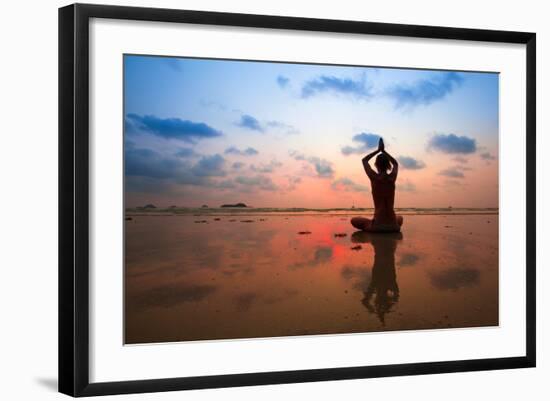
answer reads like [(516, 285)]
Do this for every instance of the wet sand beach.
[(242, 275)]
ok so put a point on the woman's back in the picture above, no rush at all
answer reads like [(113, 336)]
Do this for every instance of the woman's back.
[(383, 195)]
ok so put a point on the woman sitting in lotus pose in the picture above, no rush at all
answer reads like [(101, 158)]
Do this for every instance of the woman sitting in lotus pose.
[(383, 193)]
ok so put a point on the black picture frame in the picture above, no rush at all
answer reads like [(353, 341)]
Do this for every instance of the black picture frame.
[(74, 200)]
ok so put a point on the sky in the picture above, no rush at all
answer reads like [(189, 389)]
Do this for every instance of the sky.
[(204, 131)]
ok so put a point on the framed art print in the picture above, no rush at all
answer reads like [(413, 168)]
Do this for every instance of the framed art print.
[(249, 199)]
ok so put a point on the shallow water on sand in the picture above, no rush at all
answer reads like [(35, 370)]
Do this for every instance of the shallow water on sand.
[(222, 277)]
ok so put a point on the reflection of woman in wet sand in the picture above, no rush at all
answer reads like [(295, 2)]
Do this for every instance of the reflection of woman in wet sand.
[(383, 193), (382, 292)]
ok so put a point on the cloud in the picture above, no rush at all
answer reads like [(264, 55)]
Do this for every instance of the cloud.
[(259, 181), (453, 183), (322, 255), (487, 156), (224, 184), (346, 184), (454, 278), (462, 167), (426, 91), (266, 168), (238, 165), (452, 172), (209, 166), (408, 259), (343, 86), (367, 140), (452, 144), (410, 163), (148, 163), (287, 128), (171, 128), (249, 122), (250, 151), (142, 184), (293, 182), (235, 151), (461, 160), (283, 81), (149, 171), (186, 152), (130, 127), (361, 276), (297, 155), (323, 168), (350, 150), (406, 186)]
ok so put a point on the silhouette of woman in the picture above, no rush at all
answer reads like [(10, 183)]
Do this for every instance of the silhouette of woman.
[(382, 293), (383, 193)]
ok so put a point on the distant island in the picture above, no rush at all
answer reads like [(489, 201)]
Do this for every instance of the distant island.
[(149, 206), (234, 205)]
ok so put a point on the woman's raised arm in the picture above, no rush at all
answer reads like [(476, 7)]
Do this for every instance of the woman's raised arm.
[(395, 165), (368, 169)]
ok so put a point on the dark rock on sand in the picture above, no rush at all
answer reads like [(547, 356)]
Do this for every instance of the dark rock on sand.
[(356, 247), (128, 218), (201, 221), (234, 205), (340, 235), (217, 219), (304, 232), (247, 221)]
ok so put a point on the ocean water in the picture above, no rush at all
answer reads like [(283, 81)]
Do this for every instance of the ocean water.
[(208, 274), (301, 211)]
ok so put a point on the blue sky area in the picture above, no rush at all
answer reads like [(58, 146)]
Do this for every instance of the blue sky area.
[(292, 135)]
